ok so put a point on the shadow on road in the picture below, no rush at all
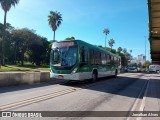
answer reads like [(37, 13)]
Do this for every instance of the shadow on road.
[(122, 85), (25, 87)]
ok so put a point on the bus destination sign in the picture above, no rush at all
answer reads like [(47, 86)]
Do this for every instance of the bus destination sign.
[(63, 44)]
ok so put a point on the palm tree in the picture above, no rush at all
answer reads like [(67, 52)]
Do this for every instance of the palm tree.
[(120, 49), (124, 51), (6, 6), (54, 19), (106, 31), (111, 42), (130, 51)]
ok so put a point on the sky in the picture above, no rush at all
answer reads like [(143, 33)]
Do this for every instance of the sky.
[(127, 21)]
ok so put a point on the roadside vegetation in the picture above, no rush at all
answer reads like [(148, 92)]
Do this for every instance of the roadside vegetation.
[(23, 49), (26, 67)]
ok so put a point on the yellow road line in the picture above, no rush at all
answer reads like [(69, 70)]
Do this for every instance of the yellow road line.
[(36, 99)]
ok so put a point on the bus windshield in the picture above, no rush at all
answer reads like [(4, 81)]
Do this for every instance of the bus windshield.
[(64, 56)]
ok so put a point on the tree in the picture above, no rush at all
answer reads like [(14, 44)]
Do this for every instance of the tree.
[(7, 42), (70, 38), (146, 64), (124, 57), (130, 54), (119, 49), (21, 39), (124, 51), (106, 31), (111, 42), (54, 19), (130, 51), (6, 6), (100, 46), (9, 28), (123, 60), (28, 46)]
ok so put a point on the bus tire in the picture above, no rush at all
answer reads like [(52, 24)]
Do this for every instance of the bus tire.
[(116, 73), (94, 76)]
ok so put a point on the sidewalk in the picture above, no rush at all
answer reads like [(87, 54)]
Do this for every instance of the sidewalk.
[(152, 101)]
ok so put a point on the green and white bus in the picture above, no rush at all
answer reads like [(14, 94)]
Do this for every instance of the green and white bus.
[(78, 60)]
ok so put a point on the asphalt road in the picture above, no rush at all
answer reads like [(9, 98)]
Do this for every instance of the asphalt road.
[(77, 100)]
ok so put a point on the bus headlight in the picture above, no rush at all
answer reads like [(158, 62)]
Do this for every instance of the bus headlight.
[(75, 70)]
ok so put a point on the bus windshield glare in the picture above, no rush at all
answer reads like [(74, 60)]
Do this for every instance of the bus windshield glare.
[(64, 56)]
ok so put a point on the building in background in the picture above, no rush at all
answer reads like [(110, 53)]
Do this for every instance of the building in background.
[(139, 60), (141, 57)]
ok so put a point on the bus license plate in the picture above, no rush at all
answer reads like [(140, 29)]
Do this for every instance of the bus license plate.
[(60, 77)]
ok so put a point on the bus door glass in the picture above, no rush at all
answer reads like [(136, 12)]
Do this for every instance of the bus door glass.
[(84, 59), (109, 67)]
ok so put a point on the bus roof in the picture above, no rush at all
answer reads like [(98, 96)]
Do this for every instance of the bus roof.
[(93, 46)]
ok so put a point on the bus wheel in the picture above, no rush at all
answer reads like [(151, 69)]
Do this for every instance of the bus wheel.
[(94, 76), (116, 72)]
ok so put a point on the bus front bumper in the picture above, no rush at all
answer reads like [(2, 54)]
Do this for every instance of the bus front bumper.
[(74, 76)]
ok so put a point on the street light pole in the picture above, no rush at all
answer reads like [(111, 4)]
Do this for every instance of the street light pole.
[(145, 53)]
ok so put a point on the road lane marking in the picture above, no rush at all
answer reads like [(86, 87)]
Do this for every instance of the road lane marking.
[(139, 98), (143, 101), (36, 99)]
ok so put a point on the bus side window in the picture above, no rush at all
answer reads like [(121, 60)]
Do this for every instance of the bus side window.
[(98, 58), (108, 59), (84, 55), (92, 58), (112, 59), (103, 59)]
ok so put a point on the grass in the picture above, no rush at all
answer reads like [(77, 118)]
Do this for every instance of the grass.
[(26, 67)]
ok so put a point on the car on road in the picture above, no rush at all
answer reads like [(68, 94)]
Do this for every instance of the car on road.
[(154, 68), (132, 69), (124, 69)]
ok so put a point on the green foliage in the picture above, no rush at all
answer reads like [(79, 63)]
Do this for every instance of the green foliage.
[(1, 29), (70, 38), (124, 60), (111, 42), (29, 46), (24, 45), (28, 67), (147, 64), (107, 48), (124, 50), (119, 50), (106, 31), (54, 19), (6, 4), (100, 46)]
